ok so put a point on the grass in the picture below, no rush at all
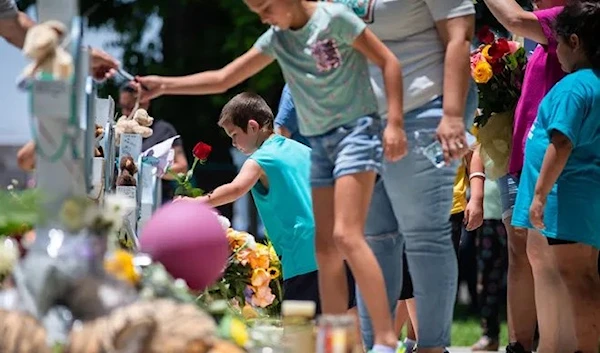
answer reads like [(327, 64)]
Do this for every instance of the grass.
[(466, 328)]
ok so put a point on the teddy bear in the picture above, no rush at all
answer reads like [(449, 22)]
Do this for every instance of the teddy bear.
[(127, 170), (43, 45), (139, 124)]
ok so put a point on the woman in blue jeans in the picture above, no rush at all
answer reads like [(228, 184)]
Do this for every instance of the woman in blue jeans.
[(412, 199)]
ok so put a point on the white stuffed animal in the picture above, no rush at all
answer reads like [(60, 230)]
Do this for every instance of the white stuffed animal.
[(139, 124), (43, 46)]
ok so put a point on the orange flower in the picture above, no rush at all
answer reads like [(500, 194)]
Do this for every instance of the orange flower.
[(260, 278), (263, 297), (260, 257), (483, 72), (243, 256), (120, 265)]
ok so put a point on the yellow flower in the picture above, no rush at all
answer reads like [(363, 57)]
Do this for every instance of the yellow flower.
[(482, 72), (273, 257), (485, 52), (239, 332), (260, 278), (120, 265), (274, 272)]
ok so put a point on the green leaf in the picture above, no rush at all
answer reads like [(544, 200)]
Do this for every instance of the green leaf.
[(196, 192)]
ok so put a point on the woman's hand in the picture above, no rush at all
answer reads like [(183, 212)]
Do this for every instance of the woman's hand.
[(394, 142), (536, 212), (452, 136), (187, 199), (155, 87), (103, 66), (473, 215)]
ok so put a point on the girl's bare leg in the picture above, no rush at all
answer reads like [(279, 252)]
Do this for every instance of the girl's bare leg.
[(521, 307), (412, 324), (333, 283), (554, 314), (578, 266), (401, 317), (352, 198)]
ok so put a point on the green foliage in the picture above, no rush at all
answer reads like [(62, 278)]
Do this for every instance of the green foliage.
[(196, 35), (19, 211)]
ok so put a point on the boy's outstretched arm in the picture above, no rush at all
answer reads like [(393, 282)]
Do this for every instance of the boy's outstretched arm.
[(208, 82), (555, 159), (394, 138), (243, 182)]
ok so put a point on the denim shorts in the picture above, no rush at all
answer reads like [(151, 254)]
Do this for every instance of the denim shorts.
[(508, 185), (349, 149)]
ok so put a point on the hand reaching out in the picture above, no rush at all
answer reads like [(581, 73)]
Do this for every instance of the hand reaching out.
[(103, 66), (154, 87)]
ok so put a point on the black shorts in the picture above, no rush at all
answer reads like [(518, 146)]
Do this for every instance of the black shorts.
[(457, 227), (552, 241), (306, 287)]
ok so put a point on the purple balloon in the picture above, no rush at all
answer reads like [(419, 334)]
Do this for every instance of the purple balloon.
[(187, 238)]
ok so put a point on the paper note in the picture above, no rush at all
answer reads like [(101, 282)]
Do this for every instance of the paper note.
[(131, 145), (51, 99)]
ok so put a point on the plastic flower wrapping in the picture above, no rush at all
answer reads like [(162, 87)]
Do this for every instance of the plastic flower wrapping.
[(251, 281), (498, 68)]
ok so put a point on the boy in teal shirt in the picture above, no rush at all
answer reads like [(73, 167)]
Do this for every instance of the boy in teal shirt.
[(277, 173)]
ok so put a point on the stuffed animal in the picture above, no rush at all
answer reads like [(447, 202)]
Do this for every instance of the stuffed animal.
[(43, 45), (139, 124), (127, 170)]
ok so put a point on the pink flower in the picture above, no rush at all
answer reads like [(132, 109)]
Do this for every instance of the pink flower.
[(513, 46), (475, 58), (263, 297)]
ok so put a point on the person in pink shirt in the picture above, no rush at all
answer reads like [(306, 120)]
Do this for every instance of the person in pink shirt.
[(542, 73)]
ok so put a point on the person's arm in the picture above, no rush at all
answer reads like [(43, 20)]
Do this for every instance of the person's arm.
[(555, 159), (456, 34), (241, 185), (475, 170), (516, 20), (286, 121), (180, 163), (379, 54), (14, 28), (208, 82), (26, 157)]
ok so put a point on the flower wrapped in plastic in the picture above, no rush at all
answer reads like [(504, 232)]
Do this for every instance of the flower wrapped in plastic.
[(252, 278), (498, 68)]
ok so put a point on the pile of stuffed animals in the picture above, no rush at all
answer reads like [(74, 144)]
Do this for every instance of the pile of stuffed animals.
[(139, 123)]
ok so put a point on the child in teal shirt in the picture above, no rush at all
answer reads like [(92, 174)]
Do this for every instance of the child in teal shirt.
[(277, 174), (559, 190)]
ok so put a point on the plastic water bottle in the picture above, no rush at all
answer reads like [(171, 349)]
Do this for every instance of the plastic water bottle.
[(426, 142)]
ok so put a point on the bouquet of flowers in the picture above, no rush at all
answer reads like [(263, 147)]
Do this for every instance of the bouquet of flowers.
[(184, 180), (251, 280), (498, 67)]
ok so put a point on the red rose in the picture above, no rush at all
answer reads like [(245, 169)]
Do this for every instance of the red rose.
[(499, 49), (485, 35), (201, 151)]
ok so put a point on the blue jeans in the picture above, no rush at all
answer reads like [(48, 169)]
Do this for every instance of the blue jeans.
[(349, 149), (410, 212), (508, 185)]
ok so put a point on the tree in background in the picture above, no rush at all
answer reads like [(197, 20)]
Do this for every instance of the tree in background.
[(195, 35)]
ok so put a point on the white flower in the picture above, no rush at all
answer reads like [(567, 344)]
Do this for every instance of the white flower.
[(225, 222), (116, 208), (9, 255), (250, 241)]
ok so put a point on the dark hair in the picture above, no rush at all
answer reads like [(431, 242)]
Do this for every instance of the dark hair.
[(127, 87), (582, 18), (245, 107)]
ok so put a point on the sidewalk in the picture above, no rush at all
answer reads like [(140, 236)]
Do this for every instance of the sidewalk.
[(464, 350)]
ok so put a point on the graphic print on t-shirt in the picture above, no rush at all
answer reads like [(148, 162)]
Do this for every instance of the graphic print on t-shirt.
[(362, 8), (326, 54)]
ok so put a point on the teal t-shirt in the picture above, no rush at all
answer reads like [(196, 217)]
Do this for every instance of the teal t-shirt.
[(328, 78), (572, 107), (286, 206)]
